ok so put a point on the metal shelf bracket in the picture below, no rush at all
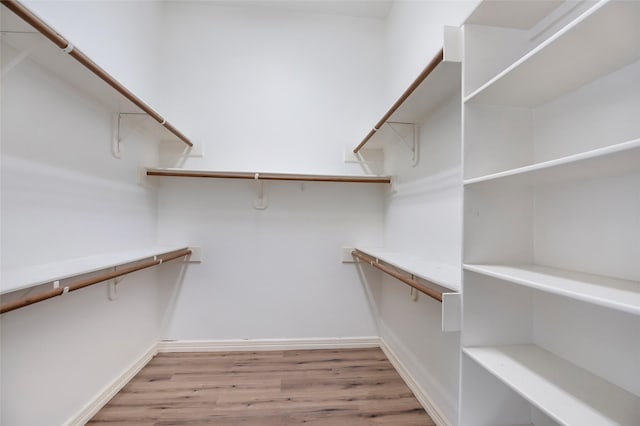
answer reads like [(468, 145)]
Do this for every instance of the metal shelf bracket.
[(117, 137), (408, 136)]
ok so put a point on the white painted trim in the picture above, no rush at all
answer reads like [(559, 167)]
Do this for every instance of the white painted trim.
[(423, 398), (266, 344), (101, 398)]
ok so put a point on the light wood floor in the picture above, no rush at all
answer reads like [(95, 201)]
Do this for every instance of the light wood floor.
[(316, 387)]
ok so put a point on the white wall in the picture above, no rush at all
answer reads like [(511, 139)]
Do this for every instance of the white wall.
[(414, 36), (120, 36), (423, 217), (64, 196), (271, 90)]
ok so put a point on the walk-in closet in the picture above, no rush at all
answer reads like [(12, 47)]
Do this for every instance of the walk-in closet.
[(351, 212)]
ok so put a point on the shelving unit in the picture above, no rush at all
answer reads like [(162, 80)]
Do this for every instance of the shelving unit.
[(568, 394), (211, 174), (24, 31), (551, 172)]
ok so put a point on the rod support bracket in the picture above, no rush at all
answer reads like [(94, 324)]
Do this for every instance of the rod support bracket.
[(409, 138), (117, 136), (260, 202)]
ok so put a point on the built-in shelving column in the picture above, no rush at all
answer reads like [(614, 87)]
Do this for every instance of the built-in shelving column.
[(551, 283)]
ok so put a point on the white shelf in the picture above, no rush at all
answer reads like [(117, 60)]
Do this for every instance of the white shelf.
[(616, 159), (438, 273), (568, 394), (522, 14), (622, 295), (23, 38), (600, 41), (213, 174), (443, 81), (22, 278)]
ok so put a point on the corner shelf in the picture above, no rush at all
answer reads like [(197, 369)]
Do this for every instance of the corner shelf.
[(22, 278), (615, 159), (565, 392), (579, 53), (613, 293), (25, 32), (170, 172)]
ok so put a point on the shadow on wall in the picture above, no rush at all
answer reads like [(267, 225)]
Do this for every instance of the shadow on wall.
[(171, 278), (371, 281)]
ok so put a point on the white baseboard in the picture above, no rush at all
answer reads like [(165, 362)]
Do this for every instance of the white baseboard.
[(266, 344), (109, 391), (423, 398)]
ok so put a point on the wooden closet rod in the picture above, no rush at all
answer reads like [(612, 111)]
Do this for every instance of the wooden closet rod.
[(268, 176), (423, 75), (42, 27), (411, 282), (29, 300)]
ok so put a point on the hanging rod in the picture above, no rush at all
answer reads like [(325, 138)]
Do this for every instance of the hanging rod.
[(156, 260), (423, 75), (267, 176), (42, 27), (409, 281)]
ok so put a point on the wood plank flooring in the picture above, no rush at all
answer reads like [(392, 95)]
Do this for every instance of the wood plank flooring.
[(315, 387)]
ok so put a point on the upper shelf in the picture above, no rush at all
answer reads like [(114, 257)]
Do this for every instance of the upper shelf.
[(66, 61), (608, 32), (438, 81), (268, 176), (615, 159), (438, 273), (31, 276)]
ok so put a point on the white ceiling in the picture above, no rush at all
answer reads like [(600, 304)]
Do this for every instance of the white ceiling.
[(360, 8)]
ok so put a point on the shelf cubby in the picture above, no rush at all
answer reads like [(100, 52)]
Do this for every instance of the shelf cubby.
[(623, 295), (617, 159), (565, 61), (566, 393)]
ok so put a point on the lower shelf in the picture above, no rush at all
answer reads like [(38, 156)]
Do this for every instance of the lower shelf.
[(565, 392)]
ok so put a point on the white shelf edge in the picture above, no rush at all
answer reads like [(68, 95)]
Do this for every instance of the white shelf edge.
[(575, 396), (450, 283), (32, 276), (536, 50), (577, 287), (587, 155)]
